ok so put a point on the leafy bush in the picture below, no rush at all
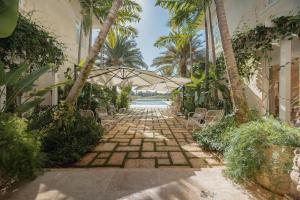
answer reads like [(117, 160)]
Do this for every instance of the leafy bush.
[(69, 136), (216, 137), (245, 154), (20, 154), (41, 117), (123, 98), (94, 96)]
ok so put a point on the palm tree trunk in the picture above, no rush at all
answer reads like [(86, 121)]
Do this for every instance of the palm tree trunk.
[(213, 50), (206, 58), (90, 61), (236, 84)]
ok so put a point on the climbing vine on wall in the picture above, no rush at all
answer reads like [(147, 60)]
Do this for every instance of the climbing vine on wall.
[(253, 45), (32, 44)]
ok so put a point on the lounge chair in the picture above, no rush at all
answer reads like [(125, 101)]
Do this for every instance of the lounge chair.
[(211, 117), (87, 113), (106, 121), (197, 117)]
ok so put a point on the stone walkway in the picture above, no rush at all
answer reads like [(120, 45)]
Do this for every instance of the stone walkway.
[(148, 138)]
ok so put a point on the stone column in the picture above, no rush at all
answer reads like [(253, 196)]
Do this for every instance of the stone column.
[(285, 80), (54, 92)]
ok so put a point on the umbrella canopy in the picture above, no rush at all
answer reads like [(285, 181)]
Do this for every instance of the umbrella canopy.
[(169, 84), (115, 76)]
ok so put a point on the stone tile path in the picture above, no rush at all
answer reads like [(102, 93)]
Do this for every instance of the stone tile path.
[(148, 138)]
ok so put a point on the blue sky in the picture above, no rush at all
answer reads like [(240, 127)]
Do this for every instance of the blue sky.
[(152, 25)]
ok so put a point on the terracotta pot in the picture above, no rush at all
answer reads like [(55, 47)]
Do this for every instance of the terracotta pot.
[(275, 173)]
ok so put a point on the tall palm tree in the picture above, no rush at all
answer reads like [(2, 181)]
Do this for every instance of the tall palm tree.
[(236, 83), (187, 16), (182, 49), (89, 63), (122, 51)]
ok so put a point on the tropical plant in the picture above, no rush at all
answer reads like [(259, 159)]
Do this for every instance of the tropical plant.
[(94, 96), (18, 83), (90, 61), (123, 98), (68, 135), (20, 155), (99, 8), (9, 13), (183, 49), (245, 156), (235, 81), (32, 44), (122, 51)]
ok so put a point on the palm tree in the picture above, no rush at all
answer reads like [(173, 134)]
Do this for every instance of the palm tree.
[(237, 85), (122, 51), (129, 12), (186, 16), (182, 49), (89, 63)]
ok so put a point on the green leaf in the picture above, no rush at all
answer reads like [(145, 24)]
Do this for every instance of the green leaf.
[(14, 76), (9, 13), (29, 105), (30, 79)]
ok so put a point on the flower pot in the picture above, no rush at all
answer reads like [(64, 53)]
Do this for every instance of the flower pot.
[(275, 173)]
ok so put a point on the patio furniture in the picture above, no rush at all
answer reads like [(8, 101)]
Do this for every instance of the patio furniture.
[(211, 117), (196, 117), (87, 113), (106, 121)]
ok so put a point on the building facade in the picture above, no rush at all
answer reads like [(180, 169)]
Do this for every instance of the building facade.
[(63, 19), (272, 89)]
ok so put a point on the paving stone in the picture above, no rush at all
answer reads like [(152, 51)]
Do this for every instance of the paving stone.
[(148, 146), (128, 148), (85, 160), (116, 159), (171, 142), (136, 142), (198, 163), (167, 148), (154, 154), (106, 147), (191, 147), (198, 154), (212, 161), (140, 163), (98, 162), (104, 155), (163, 161), (133, 154), (178, 158)]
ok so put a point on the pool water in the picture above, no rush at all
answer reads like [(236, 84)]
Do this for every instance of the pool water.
[(146, 103)]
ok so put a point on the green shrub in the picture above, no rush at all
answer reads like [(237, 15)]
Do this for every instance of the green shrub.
[(69, 136), (216, 137), (20, 155), (123, 98), (41, 117), (245, 154)]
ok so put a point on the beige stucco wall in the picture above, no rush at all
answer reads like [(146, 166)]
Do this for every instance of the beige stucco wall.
[(243, 15), (62, 18)]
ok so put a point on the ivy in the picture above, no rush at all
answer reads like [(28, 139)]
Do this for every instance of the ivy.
[(31, 43), (253, 45)]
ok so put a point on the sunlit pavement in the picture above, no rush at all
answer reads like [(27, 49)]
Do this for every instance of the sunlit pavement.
[(149, 138), (144, 140)]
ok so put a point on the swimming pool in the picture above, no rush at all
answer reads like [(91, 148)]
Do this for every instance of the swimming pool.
[(150, 103)]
